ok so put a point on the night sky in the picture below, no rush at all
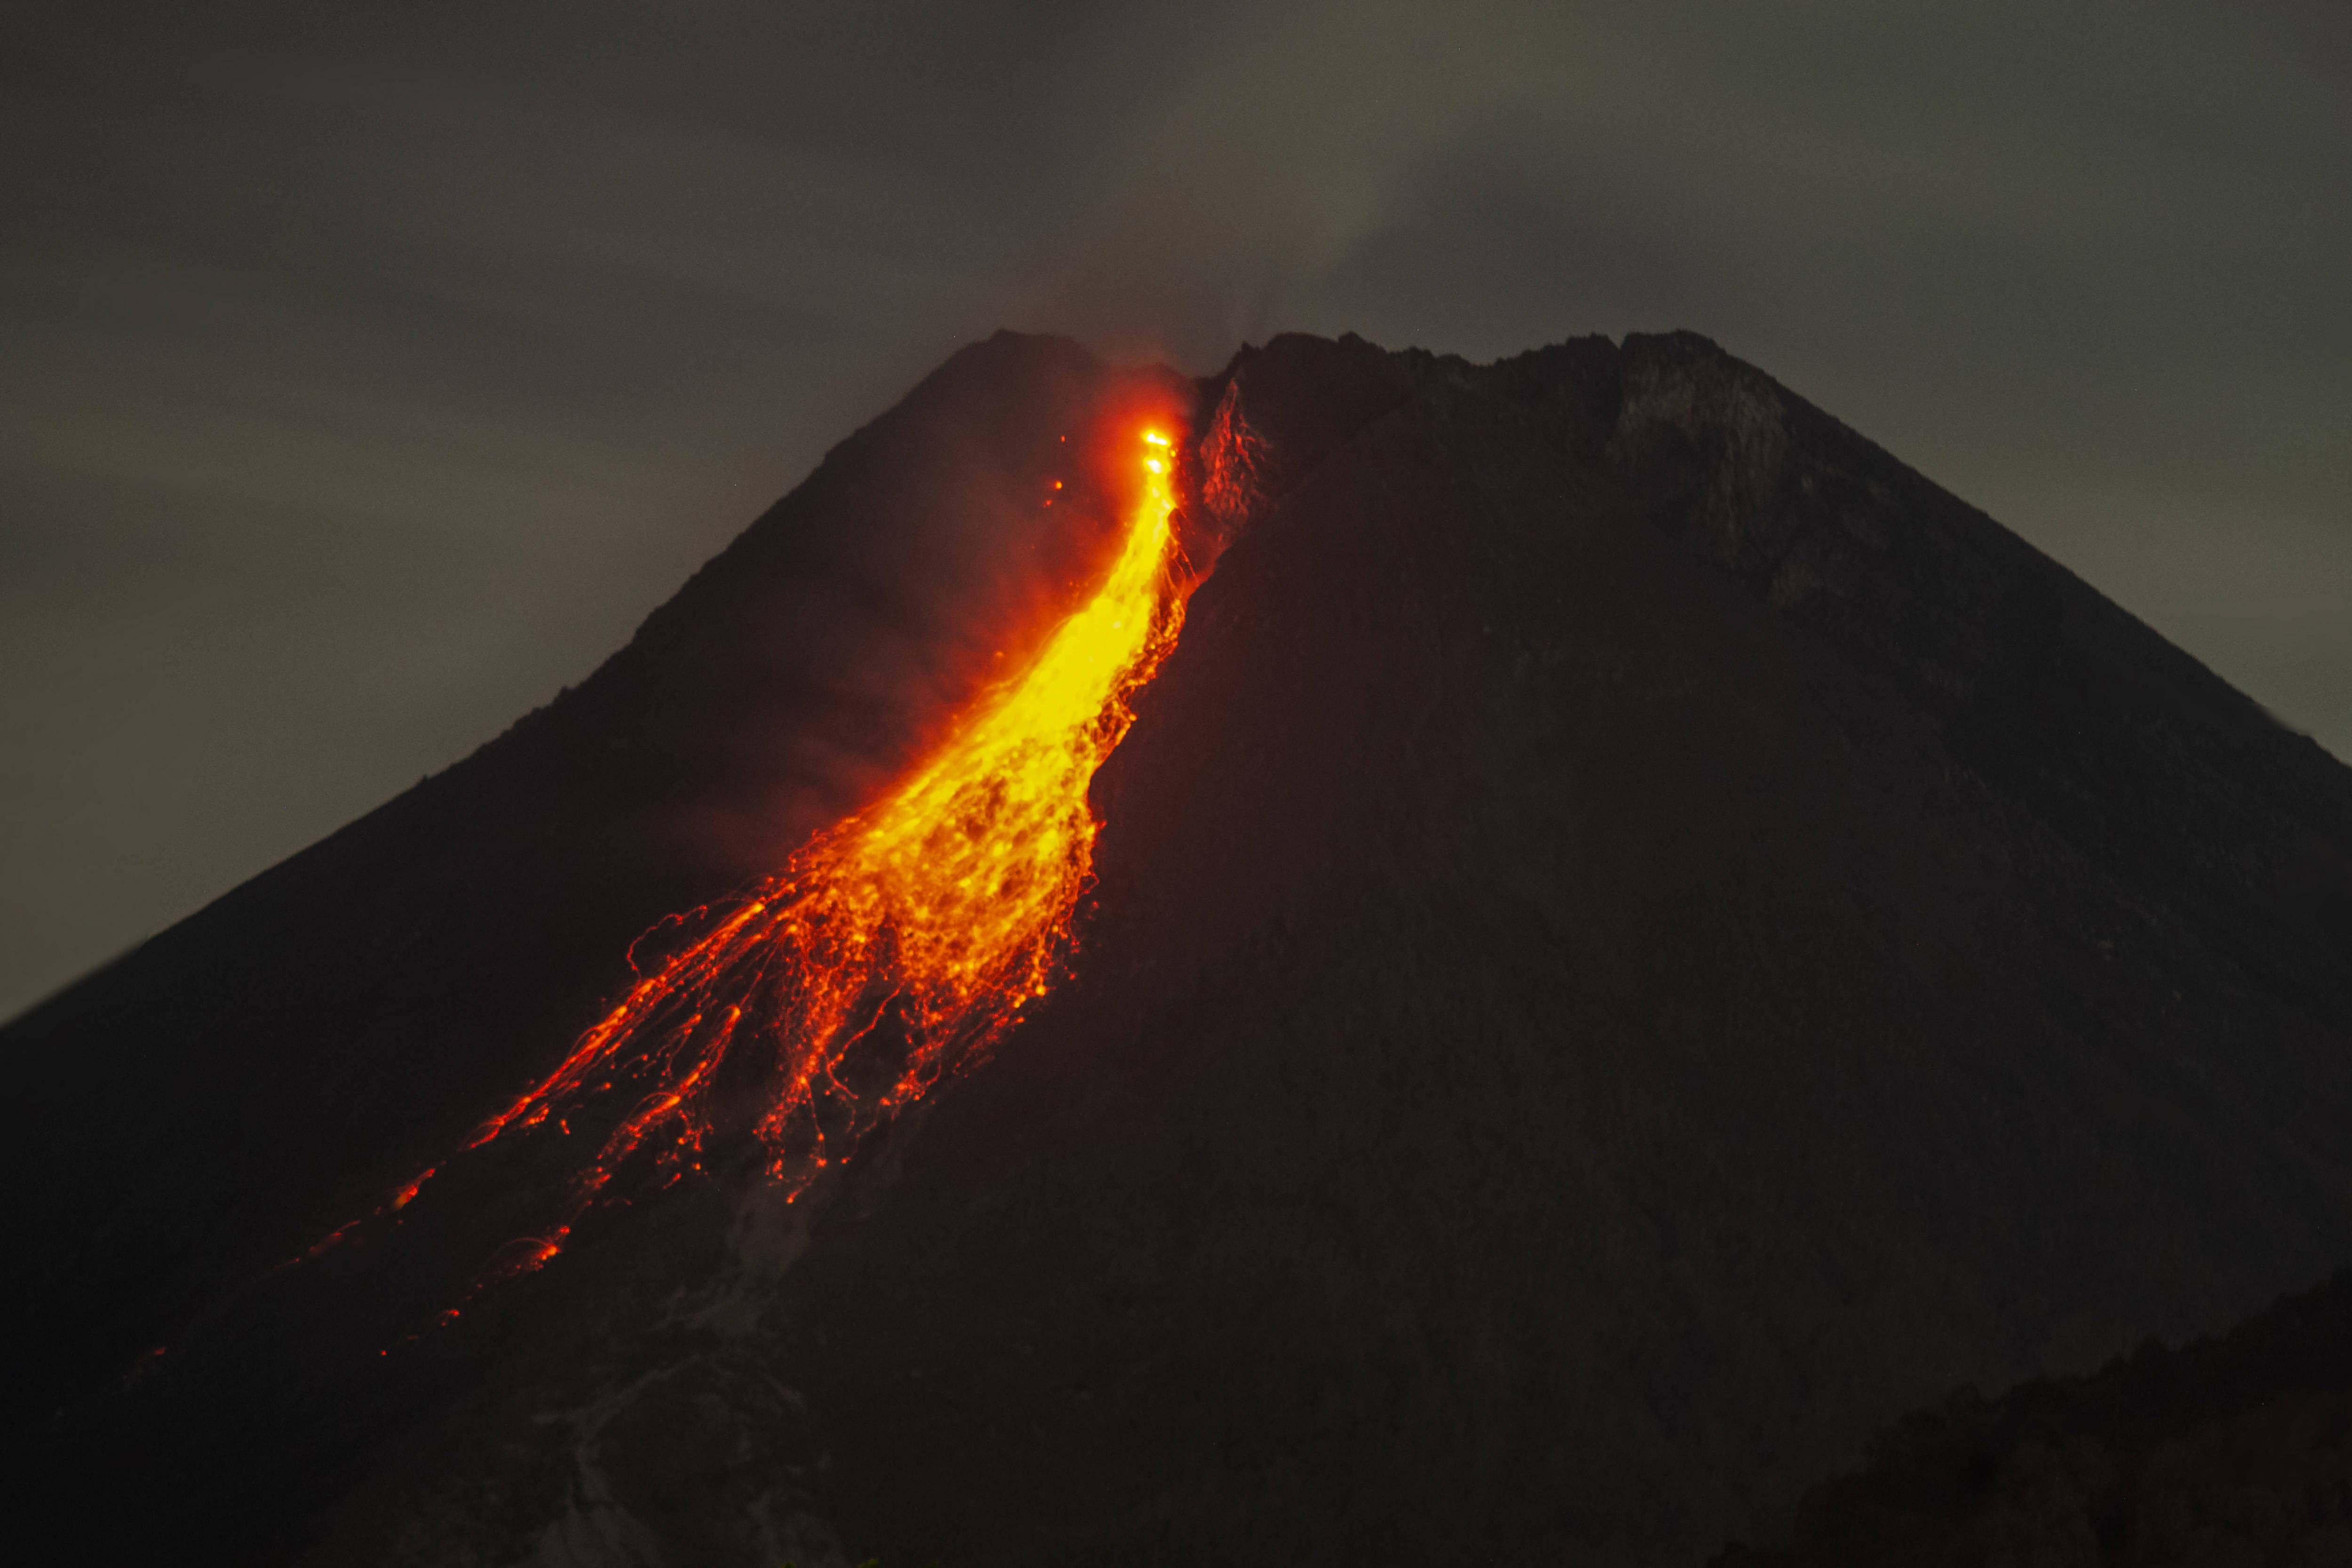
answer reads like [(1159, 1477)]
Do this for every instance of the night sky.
[(364, 382)]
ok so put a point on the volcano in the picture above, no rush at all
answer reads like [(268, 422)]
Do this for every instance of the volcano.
[(1630, 940)]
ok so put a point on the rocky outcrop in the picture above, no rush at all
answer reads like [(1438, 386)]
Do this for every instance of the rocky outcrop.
[(2235, 1450)]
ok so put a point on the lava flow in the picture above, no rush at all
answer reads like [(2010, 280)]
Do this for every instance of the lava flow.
[(896, 945)]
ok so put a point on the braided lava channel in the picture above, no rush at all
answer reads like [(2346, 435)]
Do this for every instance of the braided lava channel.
[(895, 947)]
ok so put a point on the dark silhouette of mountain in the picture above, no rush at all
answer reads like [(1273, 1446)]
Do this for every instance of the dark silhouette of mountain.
[(1636, 938), (2232, 1449)]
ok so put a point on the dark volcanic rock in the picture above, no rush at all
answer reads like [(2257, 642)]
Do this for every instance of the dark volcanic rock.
[(1636, 939)]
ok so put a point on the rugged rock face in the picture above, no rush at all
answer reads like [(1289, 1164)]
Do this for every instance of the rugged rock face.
[(1636, 939)]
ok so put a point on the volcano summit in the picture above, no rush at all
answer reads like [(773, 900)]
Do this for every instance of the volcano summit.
[(1631, 940)]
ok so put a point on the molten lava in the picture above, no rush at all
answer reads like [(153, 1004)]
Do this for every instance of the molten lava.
[(896, 945)]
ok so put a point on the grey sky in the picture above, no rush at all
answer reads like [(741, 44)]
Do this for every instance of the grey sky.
[(362, 381)]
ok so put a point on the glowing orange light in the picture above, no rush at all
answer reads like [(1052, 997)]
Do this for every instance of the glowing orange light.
[(898, 945)]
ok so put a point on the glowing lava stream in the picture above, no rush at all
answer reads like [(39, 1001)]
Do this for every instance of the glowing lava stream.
[(919, 928)]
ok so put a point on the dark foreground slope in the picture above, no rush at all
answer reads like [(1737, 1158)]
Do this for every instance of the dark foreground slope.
[(1636, 939), (2235, 1450)]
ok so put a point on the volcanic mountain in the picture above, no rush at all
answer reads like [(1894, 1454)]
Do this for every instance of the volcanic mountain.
[(1631, 940)]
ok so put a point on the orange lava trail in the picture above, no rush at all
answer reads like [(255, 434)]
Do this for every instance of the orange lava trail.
[(898, 944)]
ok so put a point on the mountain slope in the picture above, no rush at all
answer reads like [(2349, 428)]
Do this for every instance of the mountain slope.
[(1574, 1021), (273, 1066)]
